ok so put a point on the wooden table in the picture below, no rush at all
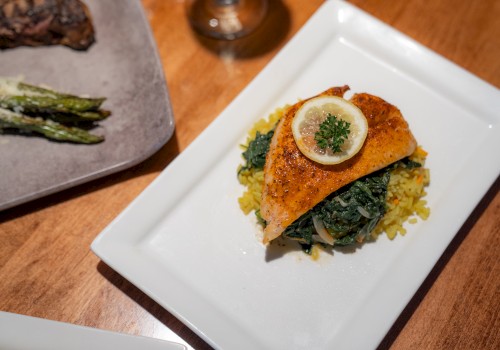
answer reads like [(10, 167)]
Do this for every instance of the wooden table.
[(47, 269)]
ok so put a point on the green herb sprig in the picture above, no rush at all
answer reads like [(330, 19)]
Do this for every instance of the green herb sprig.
[(332, 133)]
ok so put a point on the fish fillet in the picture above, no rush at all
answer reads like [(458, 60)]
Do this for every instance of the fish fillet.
[(294, 184)]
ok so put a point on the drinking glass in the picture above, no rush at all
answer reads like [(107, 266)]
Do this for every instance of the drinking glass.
[(225, 19)]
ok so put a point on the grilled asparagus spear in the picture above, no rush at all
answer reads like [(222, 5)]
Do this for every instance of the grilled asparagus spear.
[(43, 104), (48, 128), (35, 89), (48, 112), (75, 118), (83, 102), (15, 94), (31, 99)]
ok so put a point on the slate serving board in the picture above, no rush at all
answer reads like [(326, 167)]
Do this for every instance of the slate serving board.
[(123, 65)]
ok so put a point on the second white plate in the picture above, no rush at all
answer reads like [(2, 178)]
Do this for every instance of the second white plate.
[(185, 242), (20, 332)]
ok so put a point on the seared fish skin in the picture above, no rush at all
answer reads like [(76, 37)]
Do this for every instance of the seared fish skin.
[(45, 22), (294, 184)]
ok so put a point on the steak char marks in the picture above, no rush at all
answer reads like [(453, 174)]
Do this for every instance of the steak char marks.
[(45, 22)]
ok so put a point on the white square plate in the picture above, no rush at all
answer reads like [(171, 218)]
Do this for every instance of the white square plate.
[(185, 242), (20, 332)]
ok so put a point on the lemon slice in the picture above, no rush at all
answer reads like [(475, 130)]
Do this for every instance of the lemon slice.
[(307, 121)]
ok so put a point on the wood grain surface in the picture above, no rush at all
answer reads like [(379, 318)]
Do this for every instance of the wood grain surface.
[(46, 266)]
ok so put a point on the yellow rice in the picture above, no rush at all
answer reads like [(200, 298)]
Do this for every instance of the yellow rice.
[(404, 193), (404, 197), (254, 179)]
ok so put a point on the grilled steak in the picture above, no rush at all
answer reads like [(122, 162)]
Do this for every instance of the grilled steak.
[(45, 22)]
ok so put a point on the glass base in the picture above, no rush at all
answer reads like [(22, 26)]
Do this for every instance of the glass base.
[(226, 19)]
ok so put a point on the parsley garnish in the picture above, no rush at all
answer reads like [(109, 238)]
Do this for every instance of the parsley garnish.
[(332, 133)]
